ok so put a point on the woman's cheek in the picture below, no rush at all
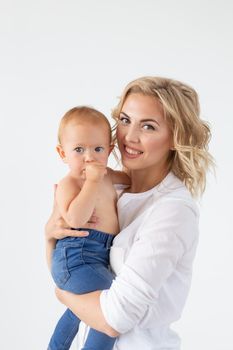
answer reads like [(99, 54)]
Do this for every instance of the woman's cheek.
[(119, 136)]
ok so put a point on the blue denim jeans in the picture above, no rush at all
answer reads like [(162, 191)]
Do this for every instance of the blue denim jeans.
[(80, 265)]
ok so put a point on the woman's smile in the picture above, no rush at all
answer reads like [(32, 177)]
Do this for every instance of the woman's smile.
[(132, 152)]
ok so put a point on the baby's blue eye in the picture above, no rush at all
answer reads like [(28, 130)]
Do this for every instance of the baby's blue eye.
[(79, 149), (99, 149)]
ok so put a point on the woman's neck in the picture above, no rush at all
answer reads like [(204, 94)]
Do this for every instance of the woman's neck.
[(142, 180)]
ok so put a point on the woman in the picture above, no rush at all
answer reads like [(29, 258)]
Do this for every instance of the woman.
[(164, 146)]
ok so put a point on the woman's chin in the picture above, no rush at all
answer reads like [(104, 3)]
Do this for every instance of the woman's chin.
[(131, 164)]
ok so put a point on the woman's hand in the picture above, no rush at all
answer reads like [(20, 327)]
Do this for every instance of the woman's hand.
[(87, 308), (56, 228)]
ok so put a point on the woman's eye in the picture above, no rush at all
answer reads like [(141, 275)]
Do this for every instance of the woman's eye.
[(124, 120), (148, 127), (79, 149), (99, 149)]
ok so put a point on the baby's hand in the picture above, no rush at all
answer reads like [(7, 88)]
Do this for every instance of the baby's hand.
[(95, 171)]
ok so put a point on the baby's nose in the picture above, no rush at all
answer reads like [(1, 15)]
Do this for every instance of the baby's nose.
[(88, 157)]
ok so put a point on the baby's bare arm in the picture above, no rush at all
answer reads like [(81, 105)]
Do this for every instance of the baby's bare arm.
[(76, 204)]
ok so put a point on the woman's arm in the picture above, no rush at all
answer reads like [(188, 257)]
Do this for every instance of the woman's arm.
[(119, 177), (87, 308), (164, 237)]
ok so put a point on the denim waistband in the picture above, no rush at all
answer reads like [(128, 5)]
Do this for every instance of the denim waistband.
[(99, 236)]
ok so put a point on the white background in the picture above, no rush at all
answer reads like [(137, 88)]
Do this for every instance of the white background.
[(59, 54)]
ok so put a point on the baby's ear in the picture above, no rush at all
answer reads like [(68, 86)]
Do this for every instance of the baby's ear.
[(61, 153)]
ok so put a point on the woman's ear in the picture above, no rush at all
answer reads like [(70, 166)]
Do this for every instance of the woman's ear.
[(61, 153), (172, 146)]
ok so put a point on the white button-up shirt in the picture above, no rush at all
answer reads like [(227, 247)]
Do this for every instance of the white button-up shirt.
[(152, 258)]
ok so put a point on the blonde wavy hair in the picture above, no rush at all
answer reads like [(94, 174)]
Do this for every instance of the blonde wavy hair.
[(190, 159)]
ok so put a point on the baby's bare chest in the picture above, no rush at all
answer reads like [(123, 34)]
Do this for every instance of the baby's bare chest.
[(107, 195)]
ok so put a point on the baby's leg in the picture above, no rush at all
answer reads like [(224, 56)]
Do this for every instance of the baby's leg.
[(65, 331), (81, 266), (98, 277)]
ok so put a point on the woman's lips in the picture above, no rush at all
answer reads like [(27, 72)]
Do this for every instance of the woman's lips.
[(132, 152)]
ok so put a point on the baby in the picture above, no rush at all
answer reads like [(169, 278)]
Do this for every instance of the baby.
[(81, 264)]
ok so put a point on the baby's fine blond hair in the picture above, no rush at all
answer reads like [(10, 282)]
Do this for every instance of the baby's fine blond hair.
[(83, 114)]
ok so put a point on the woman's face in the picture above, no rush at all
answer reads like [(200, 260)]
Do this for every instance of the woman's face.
[(144, 138)]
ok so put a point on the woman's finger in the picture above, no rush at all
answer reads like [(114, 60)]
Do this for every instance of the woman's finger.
[(66, 232), (76, 233)]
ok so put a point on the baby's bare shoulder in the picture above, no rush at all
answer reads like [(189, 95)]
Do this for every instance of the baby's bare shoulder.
[(68, 182)]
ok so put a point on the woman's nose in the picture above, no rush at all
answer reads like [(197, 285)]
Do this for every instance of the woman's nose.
[(132, 134)]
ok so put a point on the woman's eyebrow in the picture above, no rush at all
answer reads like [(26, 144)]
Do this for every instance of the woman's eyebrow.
[(149, 120), (126, 115), (143, 120)]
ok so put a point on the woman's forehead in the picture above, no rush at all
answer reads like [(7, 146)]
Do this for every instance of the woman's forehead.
[(138, 106)]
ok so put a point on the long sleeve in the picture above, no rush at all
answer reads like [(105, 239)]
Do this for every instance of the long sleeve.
[(163, 240)]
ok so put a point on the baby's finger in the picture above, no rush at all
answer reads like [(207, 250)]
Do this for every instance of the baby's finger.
[(96, 164)]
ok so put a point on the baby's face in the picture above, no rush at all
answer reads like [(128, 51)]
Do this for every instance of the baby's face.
[(83, 143)]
